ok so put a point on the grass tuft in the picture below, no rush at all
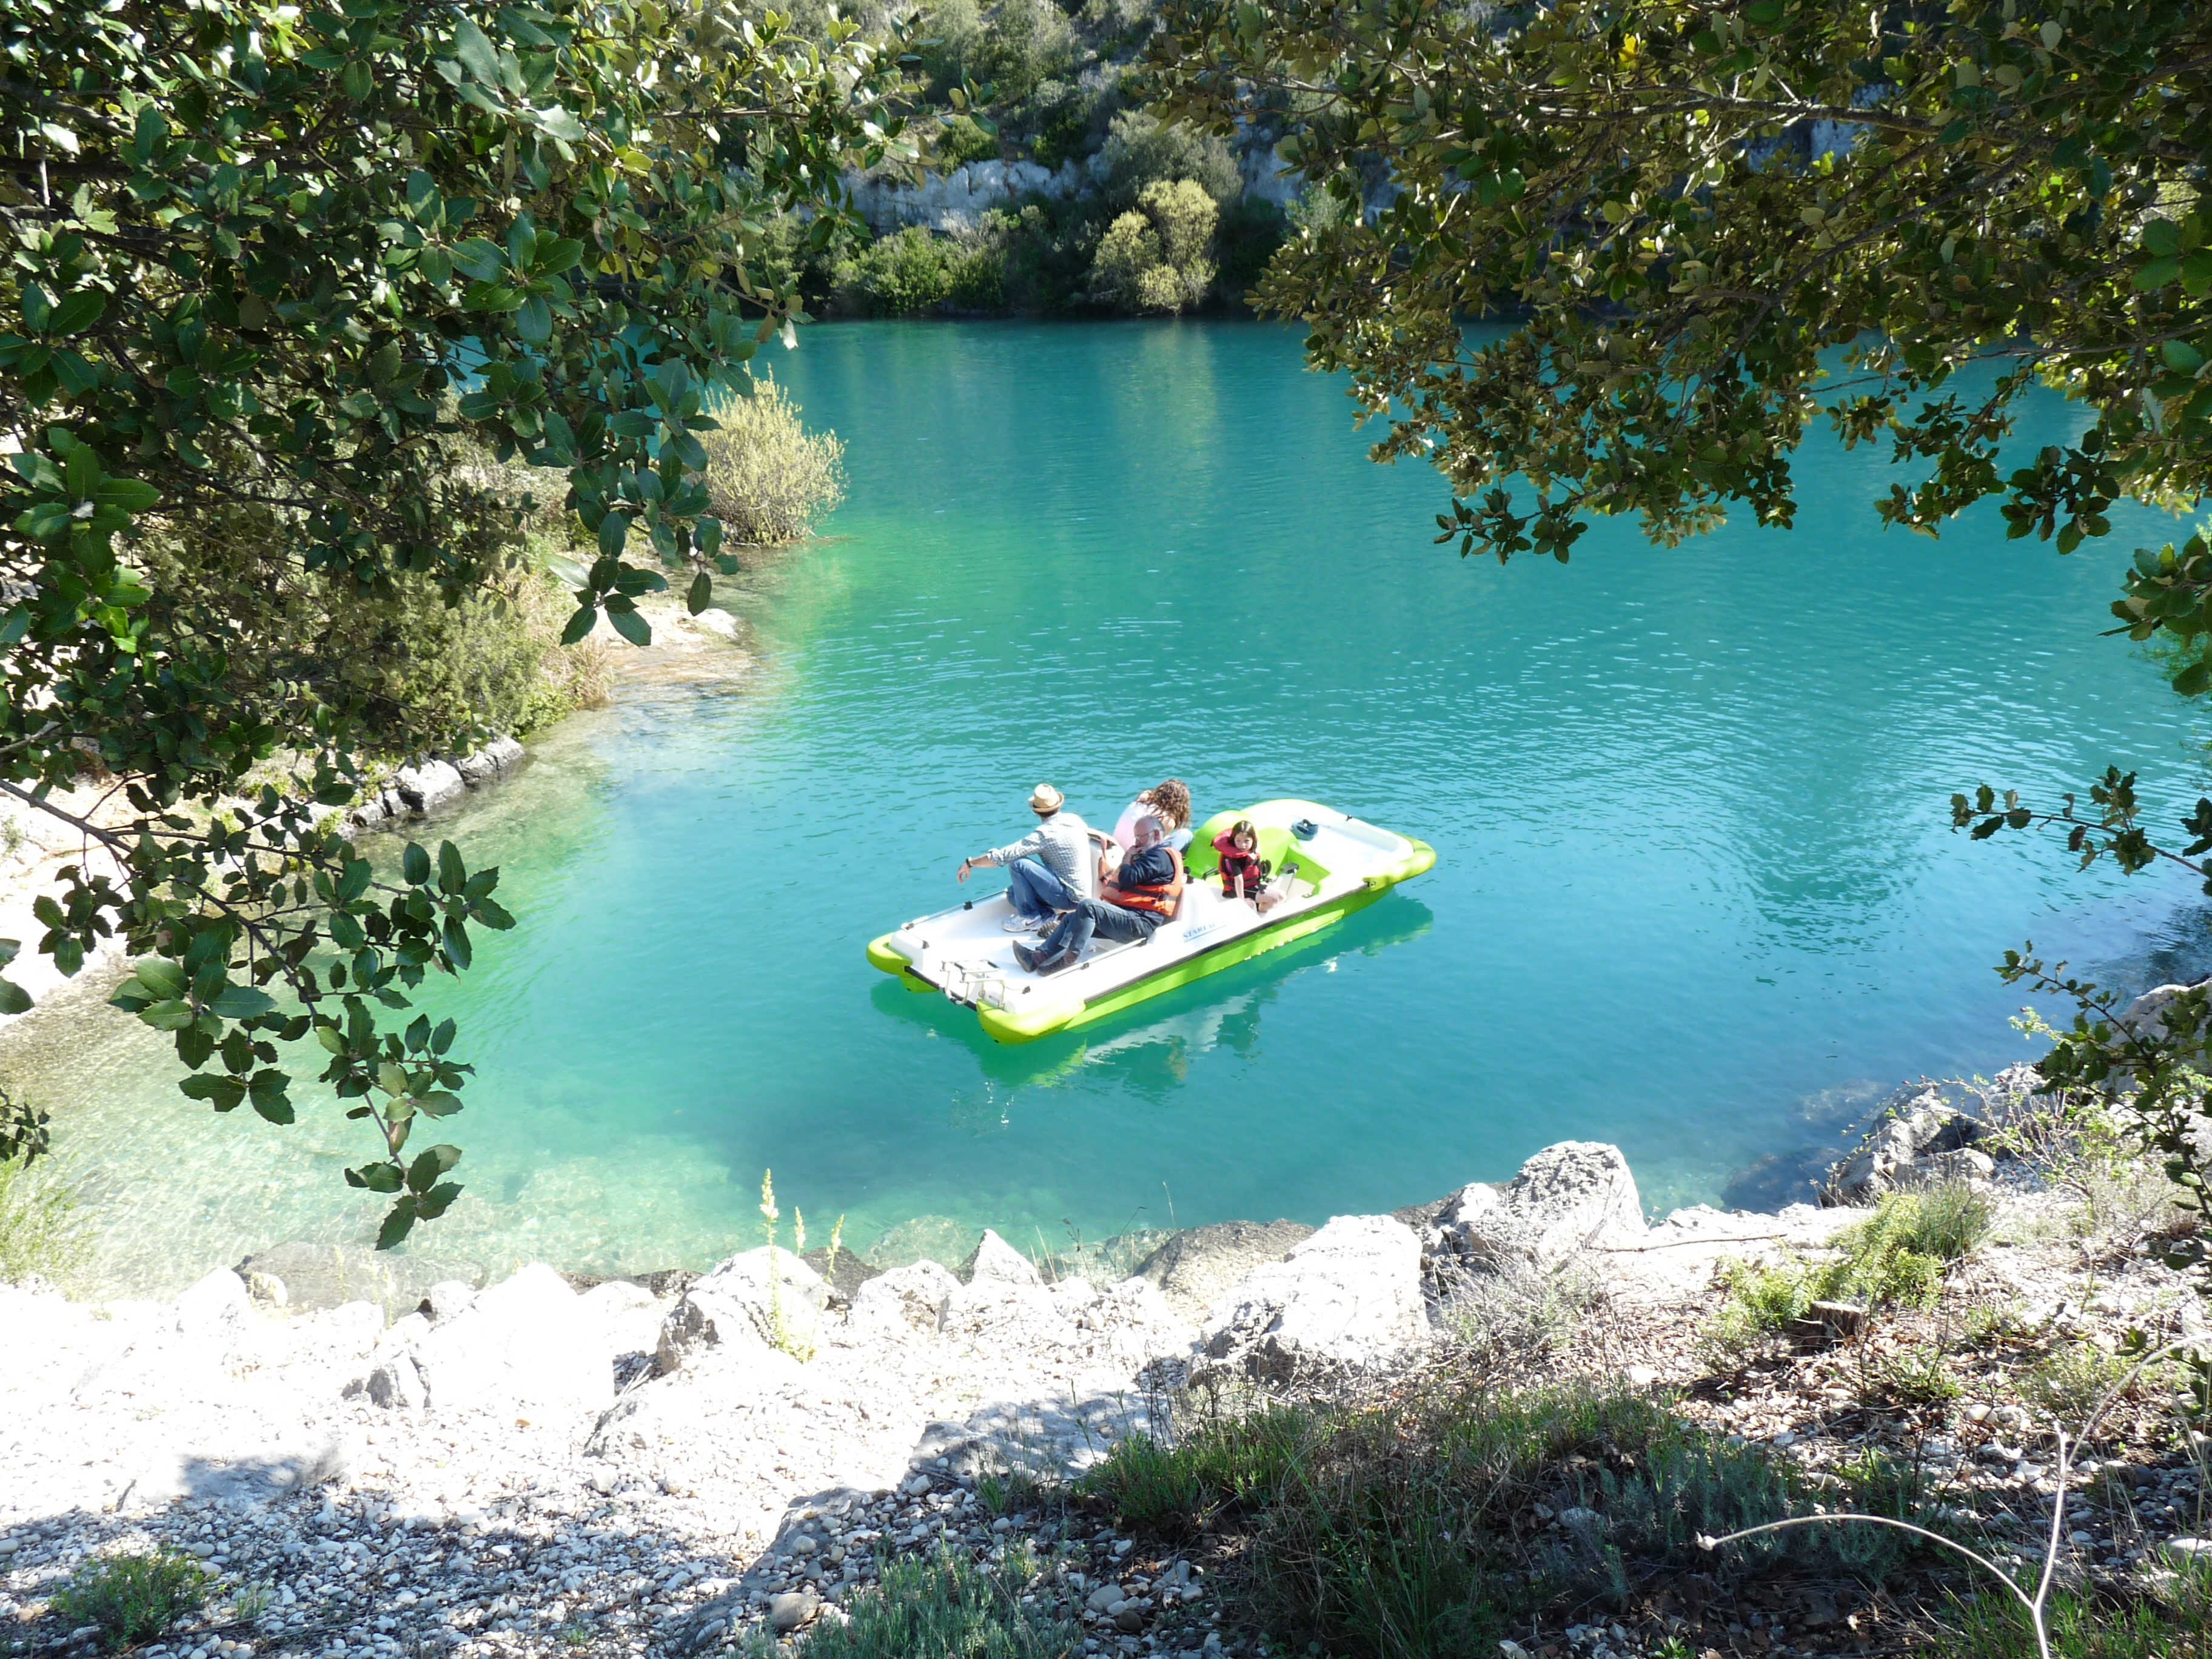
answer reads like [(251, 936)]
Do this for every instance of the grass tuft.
[(948, 1607), (132, 1598), (2173, 1621)]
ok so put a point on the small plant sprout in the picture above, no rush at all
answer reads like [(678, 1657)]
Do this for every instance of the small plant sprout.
[(797, 1231), (2034, 1605), (836, 1242)]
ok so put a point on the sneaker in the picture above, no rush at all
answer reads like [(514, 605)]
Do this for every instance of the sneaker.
[(1053, 965), (1027, 955), (1018, 923)]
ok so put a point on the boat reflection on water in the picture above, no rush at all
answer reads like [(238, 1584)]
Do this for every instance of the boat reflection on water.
[(1150, 1057)]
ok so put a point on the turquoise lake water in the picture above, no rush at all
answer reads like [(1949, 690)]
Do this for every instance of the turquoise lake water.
[(1696, 890)]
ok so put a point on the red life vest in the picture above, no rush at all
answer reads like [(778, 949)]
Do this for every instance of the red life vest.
[(1159, 897)]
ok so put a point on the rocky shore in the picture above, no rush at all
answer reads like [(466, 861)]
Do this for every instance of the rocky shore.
[(373, 1464)]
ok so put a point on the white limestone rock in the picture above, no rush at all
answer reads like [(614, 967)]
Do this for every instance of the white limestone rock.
[(520, 1344), (1575, 1196), (733, 1308), (215, 1309), (1351, 1293), (904, 1302), (996, 1260)]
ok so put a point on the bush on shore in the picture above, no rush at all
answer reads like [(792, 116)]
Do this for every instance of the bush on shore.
[(1155, 258), (768, 477)]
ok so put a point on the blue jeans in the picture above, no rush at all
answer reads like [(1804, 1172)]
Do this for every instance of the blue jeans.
[(1035, 892), (1093, 916)]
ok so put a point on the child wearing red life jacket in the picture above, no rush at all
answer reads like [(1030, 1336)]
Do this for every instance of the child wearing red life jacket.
[(1243, 871)]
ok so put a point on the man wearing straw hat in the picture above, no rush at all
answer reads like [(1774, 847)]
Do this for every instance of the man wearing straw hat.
[(1052, 869)]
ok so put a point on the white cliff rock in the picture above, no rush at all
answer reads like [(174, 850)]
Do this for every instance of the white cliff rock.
[(733, 1307), (518, 1345), (996, 1260), (1349, 1293), (901, 1303), (1575, 1196)]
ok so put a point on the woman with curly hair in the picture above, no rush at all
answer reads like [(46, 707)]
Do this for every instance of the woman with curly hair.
[(1168, 800)]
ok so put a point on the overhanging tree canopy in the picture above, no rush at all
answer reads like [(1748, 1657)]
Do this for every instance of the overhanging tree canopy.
[(1717, 227), (281, 263)]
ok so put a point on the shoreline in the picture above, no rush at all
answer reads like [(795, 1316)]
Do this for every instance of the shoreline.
[(671, 1428)]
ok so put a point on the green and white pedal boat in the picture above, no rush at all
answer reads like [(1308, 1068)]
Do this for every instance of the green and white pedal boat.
[(1342, 865)]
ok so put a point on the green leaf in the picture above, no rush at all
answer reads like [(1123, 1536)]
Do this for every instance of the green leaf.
[(475, 51), (415, 863), (631, 626), (162, 978), (398, 1224), (583, 623), (14, 999), (430, 1166), (223, 1093), (438, 1103), (268, 1092), (242, 1002), (452, 874), (172, 1015), (456, 942), (436, 1202), (702, 595), (614, 531)]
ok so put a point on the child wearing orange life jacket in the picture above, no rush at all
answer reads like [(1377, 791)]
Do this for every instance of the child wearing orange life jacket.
[(1243, 871)]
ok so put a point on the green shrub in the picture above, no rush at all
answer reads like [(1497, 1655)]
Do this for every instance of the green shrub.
[(40, 1232), (133, 1598), (2071, 1383), (1139, 151), (1250, 230), (1897, 1256), (901, 275), (1155, 258), (1012, 46), (1919, 1378), (948, 1609), (1241, 1462), (768, 477), (960, 140), (414, 667), (1061, 116)]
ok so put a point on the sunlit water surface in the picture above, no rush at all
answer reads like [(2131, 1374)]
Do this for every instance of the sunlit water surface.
[(1696, 890)]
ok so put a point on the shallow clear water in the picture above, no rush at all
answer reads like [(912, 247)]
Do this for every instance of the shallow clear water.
[(1696, 890)]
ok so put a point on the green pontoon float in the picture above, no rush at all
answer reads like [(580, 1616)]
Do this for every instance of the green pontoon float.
[(1326, 865)]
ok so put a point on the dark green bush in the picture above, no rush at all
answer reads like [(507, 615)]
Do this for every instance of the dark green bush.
[(961, 140), (1246, 237), (947, 1608), (132, 1598), (1140, 151), (1060, 119)]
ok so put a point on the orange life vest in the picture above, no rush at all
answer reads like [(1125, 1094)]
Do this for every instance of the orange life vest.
[(1159, 897)]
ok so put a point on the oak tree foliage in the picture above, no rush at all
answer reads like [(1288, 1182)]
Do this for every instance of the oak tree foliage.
[(270, 272)]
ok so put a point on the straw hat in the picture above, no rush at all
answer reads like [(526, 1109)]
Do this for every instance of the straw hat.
[(1046, 798)]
